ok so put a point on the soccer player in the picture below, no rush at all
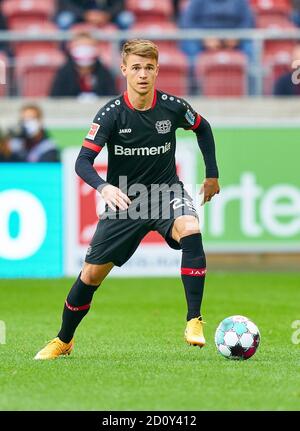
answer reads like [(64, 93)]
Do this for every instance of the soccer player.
[(138, 129)]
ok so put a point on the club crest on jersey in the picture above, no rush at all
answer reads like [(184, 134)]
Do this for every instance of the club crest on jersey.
[(93, 131), (163, 126), (190, 117)]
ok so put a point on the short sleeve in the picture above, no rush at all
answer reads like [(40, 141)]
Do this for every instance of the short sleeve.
[(100, 131), (188, 119)]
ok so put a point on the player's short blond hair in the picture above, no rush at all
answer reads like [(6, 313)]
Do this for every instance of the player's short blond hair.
[(142, 47)]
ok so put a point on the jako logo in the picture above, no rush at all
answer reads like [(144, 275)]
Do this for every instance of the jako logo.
[(125, 131), (142, 151)]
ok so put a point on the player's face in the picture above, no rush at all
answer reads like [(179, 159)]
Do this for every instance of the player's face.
[(140, 73)]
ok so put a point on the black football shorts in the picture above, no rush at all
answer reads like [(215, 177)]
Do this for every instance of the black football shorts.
[(120, 232)]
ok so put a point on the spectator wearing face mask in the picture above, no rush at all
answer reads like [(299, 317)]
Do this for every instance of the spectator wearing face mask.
[(29, 141), (83, 74)]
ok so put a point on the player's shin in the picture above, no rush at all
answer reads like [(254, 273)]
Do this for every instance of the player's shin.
[(193, 270), (77, 305)]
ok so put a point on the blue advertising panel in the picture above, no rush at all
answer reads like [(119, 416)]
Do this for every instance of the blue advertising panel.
[(31, 220)]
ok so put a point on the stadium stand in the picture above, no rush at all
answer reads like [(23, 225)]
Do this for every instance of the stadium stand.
[(21, 12), (152, 11), (222, 73), (158, 28), (173, 72), (33, 17), (35, 72), (36, 29)]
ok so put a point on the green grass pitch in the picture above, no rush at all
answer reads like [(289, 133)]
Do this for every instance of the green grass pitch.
[(130, 353)]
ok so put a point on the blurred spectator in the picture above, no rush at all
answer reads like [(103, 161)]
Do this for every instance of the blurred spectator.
[(296, 12), (215, 14), (96, 12), (6, 154), (176, 9), (284, 86), (3, 26), (29, 141), (83, 74)]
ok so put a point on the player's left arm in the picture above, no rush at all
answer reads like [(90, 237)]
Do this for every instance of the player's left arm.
[(206, 142), (190, 120)]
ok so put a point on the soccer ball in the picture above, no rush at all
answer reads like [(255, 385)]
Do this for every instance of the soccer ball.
[(237, 338)]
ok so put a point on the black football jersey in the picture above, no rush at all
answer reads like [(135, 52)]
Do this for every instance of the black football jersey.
[(141, 144)]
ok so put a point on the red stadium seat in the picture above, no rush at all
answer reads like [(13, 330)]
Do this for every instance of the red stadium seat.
[(4, 75), (158, 28), (38, 45), (35, 72), (19, 12), (173, 72), (269, 21), (222, 73), (276, 47), (271, 7), (150, 10)]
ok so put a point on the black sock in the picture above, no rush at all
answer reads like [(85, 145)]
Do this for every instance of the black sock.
[(193, 270), (77, 305)]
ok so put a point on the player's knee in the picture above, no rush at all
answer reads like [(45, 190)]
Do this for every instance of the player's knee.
[(93, 275), (187, 225)]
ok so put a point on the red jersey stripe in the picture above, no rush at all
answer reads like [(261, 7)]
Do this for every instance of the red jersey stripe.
[(81, 307), (197, 122), (196, 272), (154, 99), (91, 146), (127, 101)]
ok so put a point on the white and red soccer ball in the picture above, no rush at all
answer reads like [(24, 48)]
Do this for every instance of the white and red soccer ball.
[(237, 337)]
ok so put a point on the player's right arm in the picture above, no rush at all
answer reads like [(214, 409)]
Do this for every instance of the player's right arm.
[(84, 166)]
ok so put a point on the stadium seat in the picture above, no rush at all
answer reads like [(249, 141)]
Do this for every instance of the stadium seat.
[(272, 46), (173, 72), (276, 7), (19, 12), (38, 45), (273, 22), (150, 10), (222, 73), (155, 29), (35, 71), (4, 75)]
